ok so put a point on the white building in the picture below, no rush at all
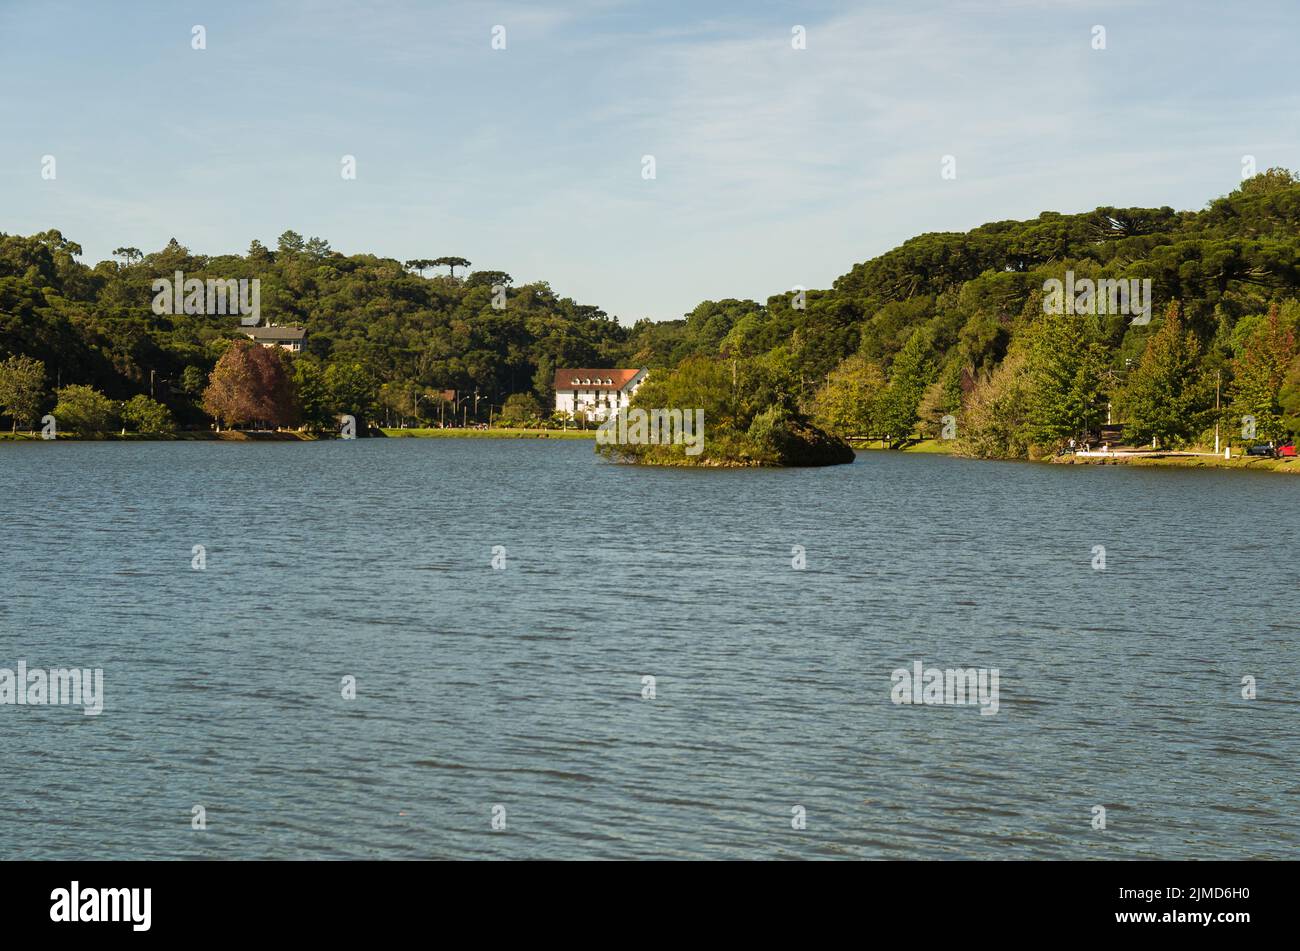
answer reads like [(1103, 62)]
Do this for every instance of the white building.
[(597, 393)]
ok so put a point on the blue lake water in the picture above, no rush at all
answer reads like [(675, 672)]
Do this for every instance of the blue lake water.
[(521, 688)]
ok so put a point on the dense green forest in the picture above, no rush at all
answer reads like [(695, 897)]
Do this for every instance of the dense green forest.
[(954, 324), (947, 324), (391, 331)]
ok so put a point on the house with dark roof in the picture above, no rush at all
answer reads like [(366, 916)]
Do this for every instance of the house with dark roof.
[(290, 338), (596, 393)]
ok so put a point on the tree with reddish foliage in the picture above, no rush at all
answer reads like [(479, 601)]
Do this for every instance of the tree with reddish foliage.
[(1260, 372), (250, 385)]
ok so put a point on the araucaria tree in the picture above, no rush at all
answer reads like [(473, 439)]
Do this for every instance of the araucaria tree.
[(451, 261)]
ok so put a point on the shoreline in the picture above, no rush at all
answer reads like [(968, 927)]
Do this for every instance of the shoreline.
[(501, 433), (196, 435), (1174, 459), (240, 435)]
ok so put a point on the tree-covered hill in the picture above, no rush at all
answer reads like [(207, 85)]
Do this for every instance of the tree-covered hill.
[(945, 325), (920, 332), (95, 326)]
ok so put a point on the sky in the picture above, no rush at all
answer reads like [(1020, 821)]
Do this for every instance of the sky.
[(773, 166)]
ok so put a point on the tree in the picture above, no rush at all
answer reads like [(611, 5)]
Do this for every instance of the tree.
[(290, 243), (1261, 372), (352, 390), (995, 419), (941, 398), (845, 403), (1267, 181), (193, 380), (147, 416), (250, 385), (1065, 366), (312, 393), (489, 279), (520, 408), (128, 255), (420, 264), (1167, 394), (22, 387), (84, 410), (913, 371), (451, 262), (1288, 397)]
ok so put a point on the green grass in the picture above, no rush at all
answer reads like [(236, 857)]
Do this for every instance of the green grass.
[(1258, 463), (933, 446), (499, 433)]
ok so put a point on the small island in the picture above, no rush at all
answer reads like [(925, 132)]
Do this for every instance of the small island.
[(730, 422)]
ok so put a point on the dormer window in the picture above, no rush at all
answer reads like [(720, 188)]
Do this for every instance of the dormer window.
[(609, 382), (576, 382), (586, 383)]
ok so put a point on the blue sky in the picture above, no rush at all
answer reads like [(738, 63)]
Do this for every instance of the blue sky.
[(775, 166)]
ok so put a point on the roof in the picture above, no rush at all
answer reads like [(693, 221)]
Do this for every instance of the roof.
[(594, 379), (276, 333)]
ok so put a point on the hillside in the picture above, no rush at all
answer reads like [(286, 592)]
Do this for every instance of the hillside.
[(947, 324), (952, 323)]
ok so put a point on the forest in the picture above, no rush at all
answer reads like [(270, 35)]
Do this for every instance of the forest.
[(947, 325)]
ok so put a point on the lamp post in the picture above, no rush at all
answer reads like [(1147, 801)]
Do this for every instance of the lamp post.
[(418, 397)]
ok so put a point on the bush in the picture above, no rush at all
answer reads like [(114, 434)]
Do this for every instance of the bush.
[(147, 416), (84, 410), (520, 408)]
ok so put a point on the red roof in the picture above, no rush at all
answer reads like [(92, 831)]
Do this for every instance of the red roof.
[(593, 379)]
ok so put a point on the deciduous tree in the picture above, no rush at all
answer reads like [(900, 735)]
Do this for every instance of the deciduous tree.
[(22, 388)]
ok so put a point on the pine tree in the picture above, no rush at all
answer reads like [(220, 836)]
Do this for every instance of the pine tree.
[(1167, 395), (1065, 366), (913, 371)]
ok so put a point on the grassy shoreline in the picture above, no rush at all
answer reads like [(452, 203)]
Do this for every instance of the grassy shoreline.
[(1243, 462), (501, 433), (1255, 463)]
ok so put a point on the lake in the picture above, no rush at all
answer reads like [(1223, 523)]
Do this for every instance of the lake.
[(516, 694)]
